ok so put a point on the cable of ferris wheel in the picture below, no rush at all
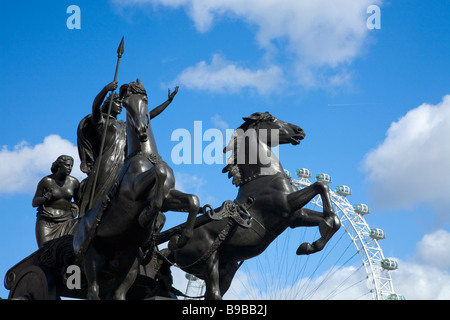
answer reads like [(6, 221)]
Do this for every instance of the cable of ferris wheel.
[(334, 293), (282, 260), (364, 294), (294, 268), (304, 269), (351, 286), (324, 255), (336, 267)]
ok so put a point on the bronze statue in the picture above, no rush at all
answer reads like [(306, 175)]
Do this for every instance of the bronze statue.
[(119, 235), (267, 203), (129, 188), (90, 132), (56, 199)]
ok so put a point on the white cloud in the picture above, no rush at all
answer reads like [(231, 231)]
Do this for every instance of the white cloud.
[(336, 285), (314, 40), (433, 249), (193, 184), (23, 166), (189, 183), (412, 164), (219, 123), (225, 76), (427, 276), (421, 282), (424, 277)]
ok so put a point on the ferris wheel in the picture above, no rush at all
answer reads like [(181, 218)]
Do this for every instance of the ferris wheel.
[(351, 266)]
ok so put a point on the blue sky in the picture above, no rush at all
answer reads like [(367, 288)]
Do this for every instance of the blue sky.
[(373, 103)]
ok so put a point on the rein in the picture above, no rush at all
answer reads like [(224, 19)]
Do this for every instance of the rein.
[(205, 256)]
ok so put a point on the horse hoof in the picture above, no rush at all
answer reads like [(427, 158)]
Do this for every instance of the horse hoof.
[(92, 296), (173, 243), (305, 249), (179, 241)]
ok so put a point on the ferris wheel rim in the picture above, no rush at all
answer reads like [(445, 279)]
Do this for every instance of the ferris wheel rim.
[(379, 284), (371, 256)]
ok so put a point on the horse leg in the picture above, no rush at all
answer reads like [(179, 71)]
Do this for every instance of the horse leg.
[(305, 218), (212, 291), (226, 275), (327, 221), (157, 178), (127, 273), (92, 263), (311, 218), (164, 279), (300, 198), (179, 201)]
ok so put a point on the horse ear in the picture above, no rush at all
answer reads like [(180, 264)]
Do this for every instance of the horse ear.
[(123, 90), (253, 117), (230, 144)]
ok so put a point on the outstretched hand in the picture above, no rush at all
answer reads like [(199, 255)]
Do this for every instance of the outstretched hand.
[(173, 94)]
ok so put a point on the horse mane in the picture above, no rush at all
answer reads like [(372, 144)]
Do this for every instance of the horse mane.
[(233, 168), (132, 88)]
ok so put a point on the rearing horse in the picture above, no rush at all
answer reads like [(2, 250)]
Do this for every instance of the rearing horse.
[(266, 197), (143, 189)]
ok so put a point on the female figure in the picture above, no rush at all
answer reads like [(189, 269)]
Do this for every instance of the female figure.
[(56, 212), (90, 133)]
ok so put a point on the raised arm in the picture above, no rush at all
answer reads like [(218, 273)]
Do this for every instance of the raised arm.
[(97, 104), (155, 112)]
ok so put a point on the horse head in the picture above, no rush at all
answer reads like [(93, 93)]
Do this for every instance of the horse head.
[(251, 145), (139, 133), (278, 131)]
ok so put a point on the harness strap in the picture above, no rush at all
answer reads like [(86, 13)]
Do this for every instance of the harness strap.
[(215, 245)]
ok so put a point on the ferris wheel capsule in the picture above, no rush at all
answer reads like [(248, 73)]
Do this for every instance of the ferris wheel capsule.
[(191, 277), (361, 208), (343, 190), (394, 296), (303, 173), (324, 177), (377, 234), (286, 172), (389, 264)]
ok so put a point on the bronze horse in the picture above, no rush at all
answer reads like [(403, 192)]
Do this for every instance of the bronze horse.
[(267, 203), (143, 189)]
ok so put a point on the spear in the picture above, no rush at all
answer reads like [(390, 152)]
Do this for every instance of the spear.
[(120, 52)]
